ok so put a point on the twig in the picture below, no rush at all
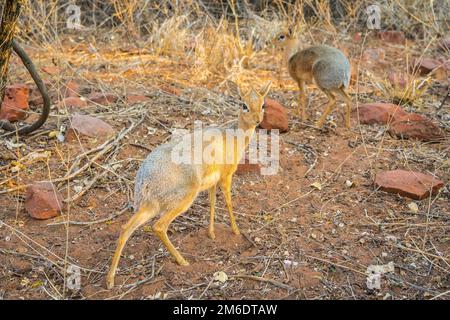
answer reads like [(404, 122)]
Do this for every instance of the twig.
[(89, 185), (88, 223), (261, 279), (335, 264), (107, 147)]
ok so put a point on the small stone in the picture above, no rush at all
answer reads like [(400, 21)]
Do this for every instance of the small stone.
[(275, 116), (398, 80), (357, 37), (220, 276), (71, 89), (88, 126), (136, 98), (103, 98), (171, 90), (317, 185), (348, 183), (374, 54), (425, 65), (78, 102), (445, 43), (391, 238), (246, 167), (413, 207), (51, 70), (43, 201), (21, 266), (36, 101), (393, 36)]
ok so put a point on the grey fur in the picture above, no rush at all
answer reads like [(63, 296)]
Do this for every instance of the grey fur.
[(329, 66)]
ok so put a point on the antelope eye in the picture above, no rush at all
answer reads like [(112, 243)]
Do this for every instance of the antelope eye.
[(245, 108), (282, 37), (263, 107)]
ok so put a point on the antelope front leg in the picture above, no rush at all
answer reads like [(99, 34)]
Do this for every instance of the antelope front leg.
[(226, 189), (212, 205)]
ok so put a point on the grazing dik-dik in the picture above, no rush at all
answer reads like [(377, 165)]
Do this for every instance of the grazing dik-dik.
[(328, 66), (166, 187)]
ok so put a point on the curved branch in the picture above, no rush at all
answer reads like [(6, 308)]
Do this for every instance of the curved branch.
[(6, 125)]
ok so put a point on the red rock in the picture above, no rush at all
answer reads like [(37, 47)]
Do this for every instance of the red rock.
[(378, 113), (246, 167), (36, 98), (73, 102), (445, 63), (392, 36), (105, 99), (71, 89), (425, 65), (374, 54), (397, 79), (21, 266), (51, 70), (416, 126), (357, 37), (43, 201), (136, 98), (409, 184), (15, 103), (171, 90), (445, 43), (88, 126), (275, 116), (36, 101)]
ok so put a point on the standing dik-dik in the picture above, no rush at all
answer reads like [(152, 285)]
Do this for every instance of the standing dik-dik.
[(328, 66), (165, 188)]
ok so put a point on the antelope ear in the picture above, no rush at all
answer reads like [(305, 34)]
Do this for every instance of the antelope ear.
[(291, 30), (233, 89), (265, 90)]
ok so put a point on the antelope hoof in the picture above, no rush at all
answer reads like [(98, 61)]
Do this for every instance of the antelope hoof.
[(182, 262), (109, 283), (319, 124), (211, 234)]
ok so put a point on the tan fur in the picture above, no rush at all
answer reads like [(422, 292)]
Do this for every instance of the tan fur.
[(166, 189), (328, 66)]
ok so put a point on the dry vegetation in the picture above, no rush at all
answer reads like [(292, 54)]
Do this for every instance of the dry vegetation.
[(180, 57)]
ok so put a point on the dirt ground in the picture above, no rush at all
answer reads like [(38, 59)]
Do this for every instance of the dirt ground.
[(297, 242)]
